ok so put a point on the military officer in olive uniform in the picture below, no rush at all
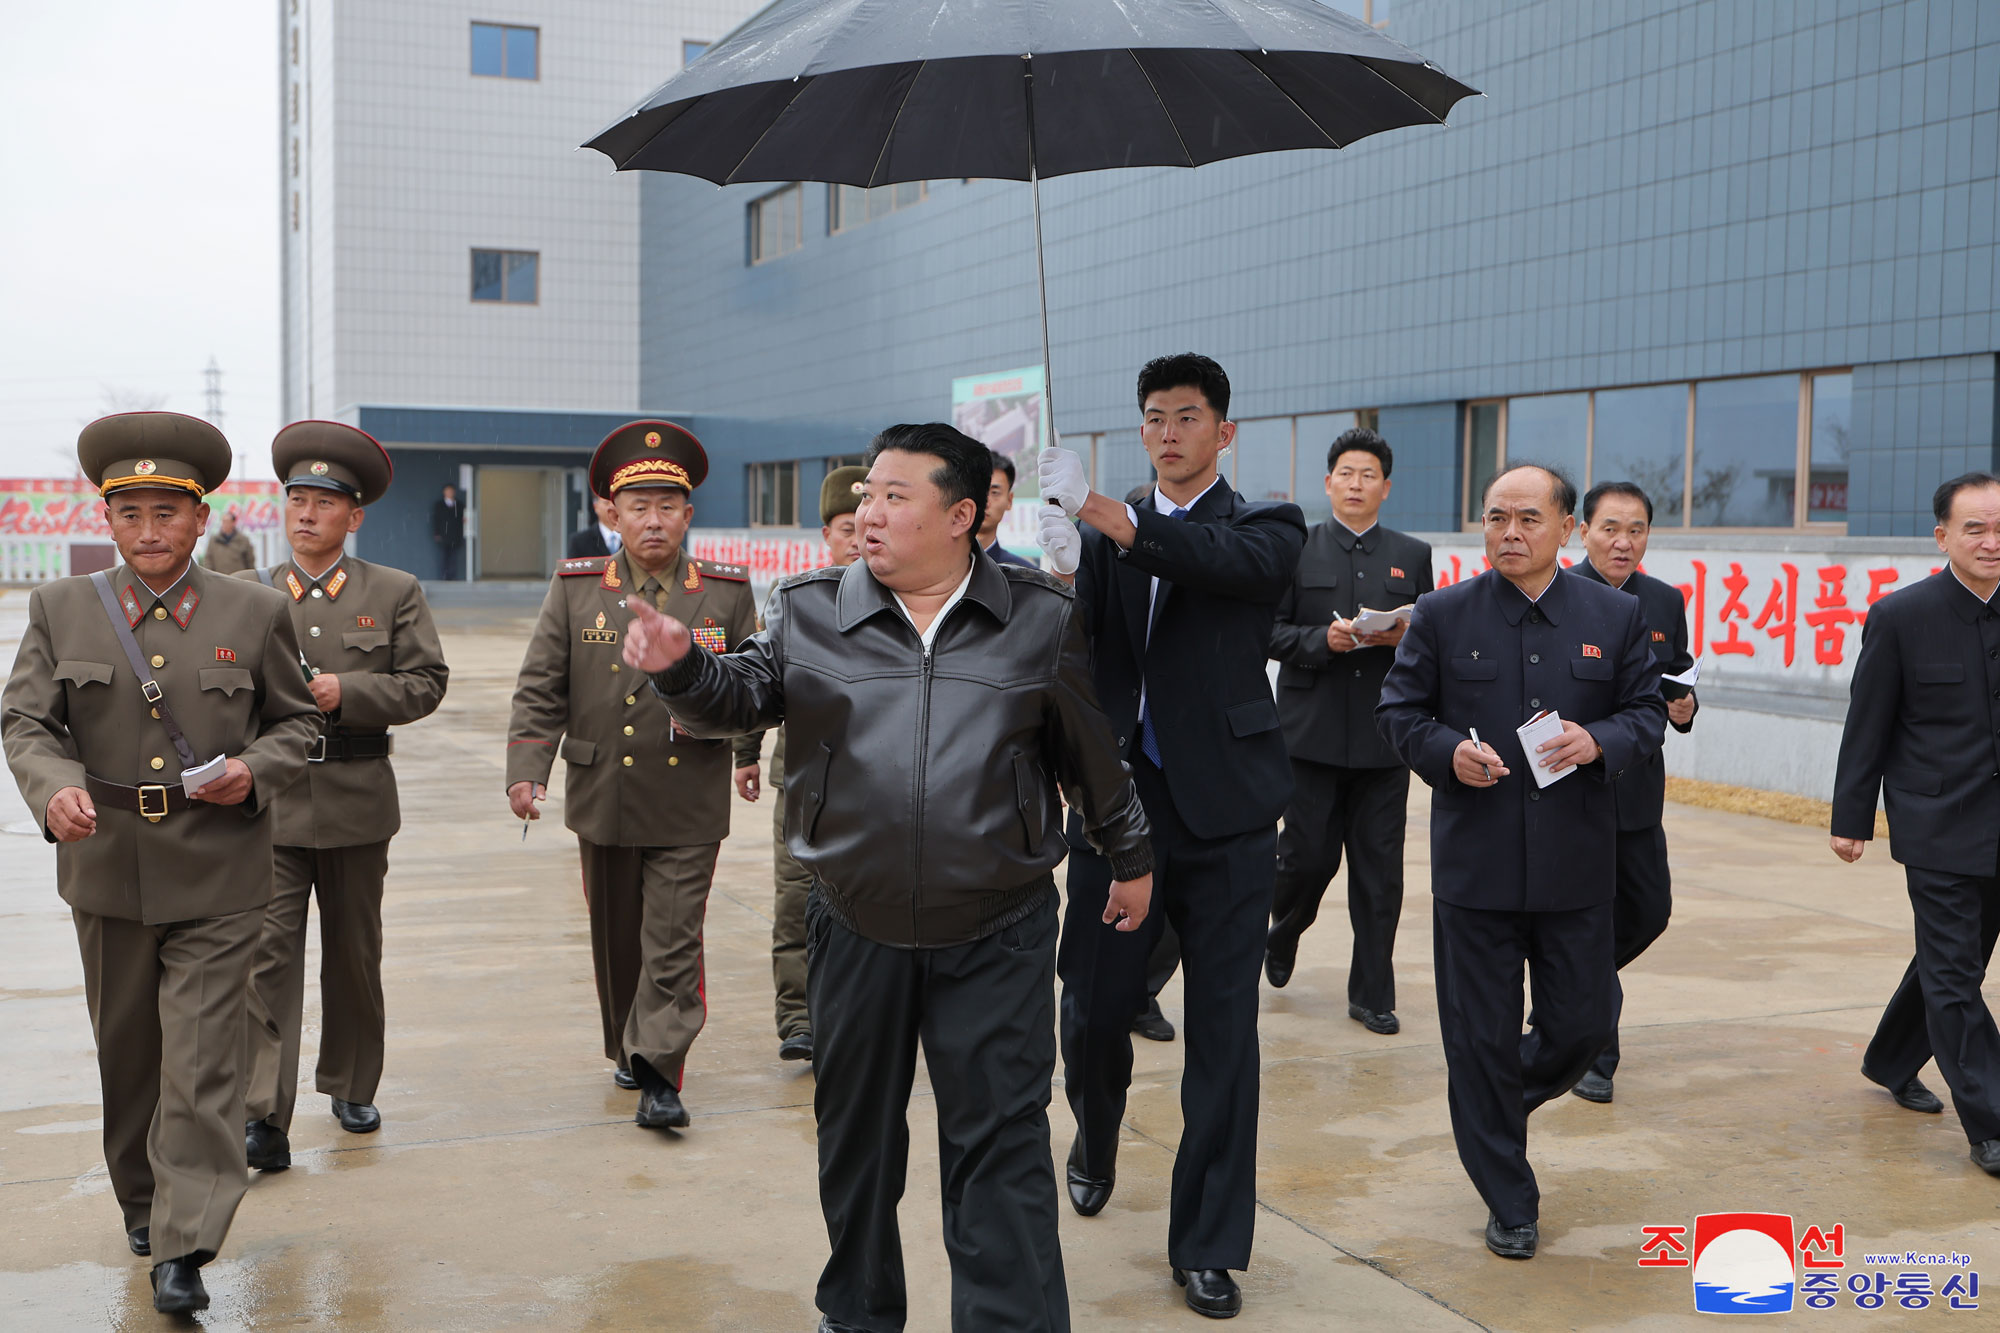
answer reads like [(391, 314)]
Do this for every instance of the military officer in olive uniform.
[(131, 687), (649, 804), (839, 500), (374, 661)]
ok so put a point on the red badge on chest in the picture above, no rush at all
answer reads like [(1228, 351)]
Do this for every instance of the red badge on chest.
[(225, 654), (1592, 650)]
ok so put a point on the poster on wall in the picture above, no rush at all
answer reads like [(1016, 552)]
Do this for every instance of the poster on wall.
[(1003, 411)]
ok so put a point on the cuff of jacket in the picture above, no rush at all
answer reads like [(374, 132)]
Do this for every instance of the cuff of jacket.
[(1135, 864), (682, 675)]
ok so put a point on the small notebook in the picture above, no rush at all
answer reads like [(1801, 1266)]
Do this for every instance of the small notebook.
[(1378, 622), (1538, 730)]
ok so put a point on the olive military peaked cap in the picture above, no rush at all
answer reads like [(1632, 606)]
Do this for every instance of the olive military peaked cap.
[(334, 457), (840, 493), (647, 453), (161, 449)]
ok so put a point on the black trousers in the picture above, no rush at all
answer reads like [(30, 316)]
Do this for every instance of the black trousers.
[(1939, 1007), (1638, 915), (985, 1014), (1361, 811), (1495, 1074), (1217, 895)]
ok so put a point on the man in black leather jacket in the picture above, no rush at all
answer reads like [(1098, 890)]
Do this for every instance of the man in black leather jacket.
[(932, 700)]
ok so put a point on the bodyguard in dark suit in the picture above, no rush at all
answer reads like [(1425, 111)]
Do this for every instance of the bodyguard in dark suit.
[(1521, 873), (1000, 499), (600, 538), (1617, 523), (1350, 790), (1923, 730), (1178, 595)]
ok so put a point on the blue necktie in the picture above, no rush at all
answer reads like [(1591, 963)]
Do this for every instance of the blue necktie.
[(1149, 743)]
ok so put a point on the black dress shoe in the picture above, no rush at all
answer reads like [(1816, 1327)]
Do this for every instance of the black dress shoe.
[(266, 1147), (141, 1240), (1384, 1023), (1512, 1242), (177, 1287), (1211, 1291), (1593, 1087), (1914, 1096), (1279, 960), (660, 1108), (623, 1078), (828, 1324), (1152, 1024), (1087, 1193), (357, 1117), (1986, 1156), (798, 1046)]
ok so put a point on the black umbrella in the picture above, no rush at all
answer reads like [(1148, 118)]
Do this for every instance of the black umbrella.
[(873, 92)]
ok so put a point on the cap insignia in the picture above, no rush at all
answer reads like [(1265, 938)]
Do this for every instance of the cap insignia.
[(319, 469), (652, 439), (145, 467)]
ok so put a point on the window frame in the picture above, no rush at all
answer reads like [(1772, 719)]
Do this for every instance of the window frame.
[(1802, 451), (686, 42), (503, 29), (754, 215), (764, 476), (835, 226), (504, 255)]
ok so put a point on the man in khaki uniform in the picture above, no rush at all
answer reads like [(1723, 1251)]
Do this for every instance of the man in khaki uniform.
[(839, 498), (649, 804), (375, 663), (198, 674), (230, 551)]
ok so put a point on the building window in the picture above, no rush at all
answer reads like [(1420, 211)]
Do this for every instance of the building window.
[(774, 495), (693, 51), (850, 206), (777, 223), (509, 277), (1261, 459), (504, 51), (1759, 451)]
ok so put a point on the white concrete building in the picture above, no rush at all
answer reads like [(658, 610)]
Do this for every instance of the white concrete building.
[(416, 134)]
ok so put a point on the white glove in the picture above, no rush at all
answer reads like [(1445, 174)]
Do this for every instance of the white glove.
[(1060, 541), (1063, 480)]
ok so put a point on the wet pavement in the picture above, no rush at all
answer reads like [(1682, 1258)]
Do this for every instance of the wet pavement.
[(509, 1189)]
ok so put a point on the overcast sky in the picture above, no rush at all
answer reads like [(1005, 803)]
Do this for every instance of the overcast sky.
[(138, 219)]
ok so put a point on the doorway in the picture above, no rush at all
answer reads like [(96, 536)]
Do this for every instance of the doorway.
[(520, 521)]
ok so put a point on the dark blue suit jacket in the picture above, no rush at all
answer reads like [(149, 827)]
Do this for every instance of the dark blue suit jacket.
[(1007, 557), (1923, 729), (1479, 654), (1222, 570)]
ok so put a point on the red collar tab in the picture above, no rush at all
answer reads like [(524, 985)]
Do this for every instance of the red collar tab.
[(184, 609), (333, 588), (133, 612), (298, 589)]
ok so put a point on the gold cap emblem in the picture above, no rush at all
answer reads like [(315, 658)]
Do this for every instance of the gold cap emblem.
[(145, 467), (652, 439), (319, 469)]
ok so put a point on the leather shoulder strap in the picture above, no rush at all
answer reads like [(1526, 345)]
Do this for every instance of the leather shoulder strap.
[(264, 575), (147, 685)]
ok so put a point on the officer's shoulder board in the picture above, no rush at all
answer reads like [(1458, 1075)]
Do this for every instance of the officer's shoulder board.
[(715, 569), (586, 564)]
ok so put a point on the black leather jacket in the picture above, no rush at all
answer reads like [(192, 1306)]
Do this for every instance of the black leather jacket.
[(920, 789)]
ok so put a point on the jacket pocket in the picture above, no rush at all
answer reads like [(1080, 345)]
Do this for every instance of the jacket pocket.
[(1939, 673), (1471, 668), (582, 753), (1403, 588), (226, 679), (83, 673), (1028, 797), (1318, 578), (365, 640), (1590, 668), (812, 791), (1922, 781), (1253, 716)]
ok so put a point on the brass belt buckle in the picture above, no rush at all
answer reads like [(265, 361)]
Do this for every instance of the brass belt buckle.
[(148, 794), (317, 754)]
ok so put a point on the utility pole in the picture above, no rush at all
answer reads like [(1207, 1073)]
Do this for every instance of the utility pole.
[(212, 406)]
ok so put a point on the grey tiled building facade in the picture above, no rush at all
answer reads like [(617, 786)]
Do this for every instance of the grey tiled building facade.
[(1742, 251)]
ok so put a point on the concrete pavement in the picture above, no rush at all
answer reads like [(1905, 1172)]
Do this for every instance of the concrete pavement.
[(509, 1189)]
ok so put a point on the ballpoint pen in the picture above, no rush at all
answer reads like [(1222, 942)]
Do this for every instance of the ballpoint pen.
[(1479, 744)]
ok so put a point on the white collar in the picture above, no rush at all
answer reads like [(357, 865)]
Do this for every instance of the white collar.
[(161, 595), (1364, 532), (1162, 504), (1987, 599), (957, 594)]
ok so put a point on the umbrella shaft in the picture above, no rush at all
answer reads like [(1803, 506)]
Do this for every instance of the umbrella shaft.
[(1041, 266)]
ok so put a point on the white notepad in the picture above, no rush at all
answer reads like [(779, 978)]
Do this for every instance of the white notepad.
[(1378, 622), (1540, 730)]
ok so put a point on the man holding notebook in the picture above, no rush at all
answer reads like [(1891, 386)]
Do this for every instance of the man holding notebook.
[(1524, 840)]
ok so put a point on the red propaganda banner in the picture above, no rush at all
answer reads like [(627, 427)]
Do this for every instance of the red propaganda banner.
[(66, 507)]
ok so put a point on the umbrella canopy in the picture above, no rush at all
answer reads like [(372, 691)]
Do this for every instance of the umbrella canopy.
[(870, 92)]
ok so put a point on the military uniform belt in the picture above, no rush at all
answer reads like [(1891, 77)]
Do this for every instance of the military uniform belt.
[(152, 799), (338, 745)]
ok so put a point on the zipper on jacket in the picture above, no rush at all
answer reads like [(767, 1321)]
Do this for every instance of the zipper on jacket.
[(917, 838)]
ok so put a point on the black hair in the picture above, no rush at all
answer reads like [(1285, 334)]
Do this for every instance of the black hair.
[(1604, 489), (1970, 481), (1187, 370), (1361, 440), (965, 466), (1564, 489), (1001, 463)]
